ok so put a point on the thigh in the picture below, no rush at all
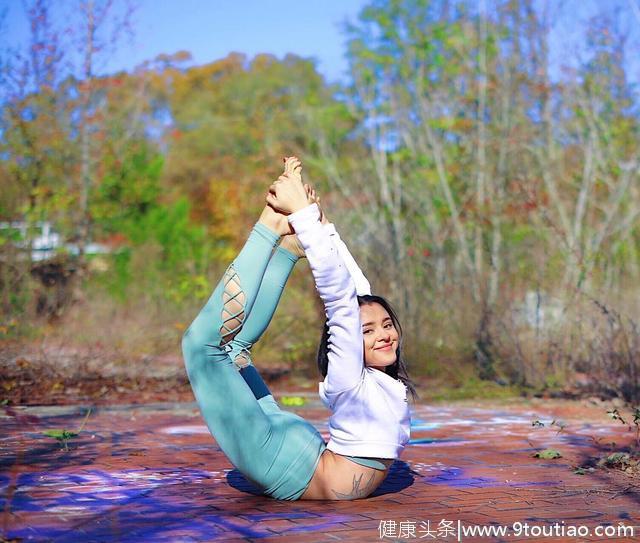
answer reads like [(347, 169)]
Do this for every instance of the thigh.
[(235, 419)]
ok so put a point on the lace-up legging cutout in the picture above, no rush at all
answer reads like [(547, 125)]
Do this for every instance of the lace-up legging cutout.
[(233, 300)]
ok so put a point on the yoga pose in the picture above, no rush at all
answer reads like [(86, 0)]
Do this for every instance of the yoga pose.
[(365, 381)]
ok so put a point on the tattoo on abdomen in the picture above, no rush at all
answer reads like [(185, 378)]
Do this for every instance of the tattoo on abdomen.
[(357, 491)]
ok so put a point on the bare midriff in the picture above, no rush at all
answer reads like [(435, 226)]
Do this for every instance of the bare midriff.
[(338, 478)]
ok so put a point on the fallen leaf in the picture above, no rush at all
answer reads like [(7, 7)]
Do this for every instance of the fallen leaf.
[(548, 454), (292, 400)]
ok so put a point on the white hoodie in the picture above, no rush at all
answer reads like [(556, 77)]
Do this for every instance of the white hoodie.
[(370, 413)]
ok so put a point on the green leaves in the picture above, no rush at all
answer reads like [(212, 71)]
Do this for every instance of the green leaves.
[(615, 415), (63, 436), (60, 434), (129, 189), (548, 454), (295, 401)]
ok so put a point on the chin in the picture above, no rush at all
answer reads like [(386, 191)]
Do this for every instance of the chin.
[(382, 364)]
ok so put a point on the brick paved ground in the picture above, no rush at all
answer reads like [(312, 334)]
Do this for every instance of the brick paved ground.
[(153, 473)]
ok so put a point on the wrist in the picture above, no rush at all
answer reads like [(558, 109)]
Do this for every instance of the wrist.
[(295, 209), (305, 217), (300, 204)]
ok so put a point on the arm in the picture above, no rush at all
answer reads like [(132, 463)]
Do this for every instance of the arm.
[(362, 284), (338, 293)]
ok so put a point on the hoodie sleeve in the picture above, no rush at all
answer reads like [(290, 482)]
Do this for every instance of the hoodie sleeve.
[(362, 283), (338, 293)]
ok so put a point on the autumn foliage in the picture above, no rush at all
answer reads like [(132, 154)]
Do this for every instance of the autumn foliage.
[(493, 197)]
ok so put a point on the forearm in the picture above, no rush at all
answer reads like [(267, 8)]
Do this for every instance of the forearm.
[(337, 291), (362, 284)]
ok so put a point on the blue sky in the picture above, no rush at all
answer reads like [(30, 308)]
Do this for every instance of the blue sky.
[(211, 29)]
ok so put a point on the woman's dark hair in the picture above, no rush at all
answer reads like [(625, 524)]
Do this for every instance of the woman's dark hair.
[(397, 370)]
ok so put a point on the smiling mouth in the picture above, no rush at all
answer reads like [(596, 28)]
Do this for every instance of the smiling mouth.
[(384, 348)]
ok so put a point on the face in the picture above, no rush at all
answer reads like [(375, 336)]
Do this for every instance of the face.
[(380, 336)]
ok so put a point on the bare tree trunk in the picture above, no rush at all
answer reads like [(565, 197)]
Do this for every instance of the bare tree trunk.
[(88, 9), (481, 164)]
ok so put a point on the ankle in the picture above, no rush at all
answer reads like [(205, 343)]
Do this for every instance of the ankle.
[(291, 244), (270, 225), (266, 233)]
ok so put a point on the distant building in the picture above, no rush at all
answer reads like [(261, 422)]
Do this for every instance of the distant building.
[(45, 241)]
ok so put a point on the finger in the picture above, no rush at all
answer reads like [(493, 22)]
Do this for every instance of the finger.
[(308, 191), (272, 201)]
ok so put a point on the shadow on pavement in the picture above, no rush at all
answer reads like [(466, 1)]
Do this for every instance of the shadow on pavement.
[(399, 477)]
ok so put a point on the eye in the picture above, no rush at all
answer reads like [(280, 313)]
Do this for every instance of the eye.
[(388, 325), (367, 331)]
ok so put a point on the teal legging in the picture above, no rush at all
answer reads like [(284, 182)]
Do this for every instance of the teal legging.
[(275, 449)]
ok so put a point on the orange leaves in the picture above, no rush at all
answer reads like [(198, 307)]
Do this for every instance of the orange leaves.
[(411, 252), (225, 204)]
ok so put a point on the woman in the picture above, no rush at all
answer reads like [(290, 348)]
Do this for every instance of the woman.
[(279, 451)]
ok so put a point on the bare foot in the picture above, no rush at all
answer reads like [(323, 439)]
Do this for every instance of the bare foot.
[(272, 219), (291, 243), (292, 165)]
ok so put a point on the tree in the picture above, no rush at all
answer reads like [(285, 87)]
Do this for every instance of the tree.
[(480, 172), (229, 123)]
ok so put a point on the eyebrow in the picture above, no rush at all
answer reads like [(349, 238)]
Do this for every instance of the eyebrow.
[(383, 321)]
